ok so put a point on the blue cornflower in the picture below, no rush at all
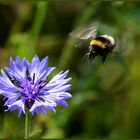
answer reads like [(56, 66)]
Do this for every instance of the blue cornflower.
[(27, 87)]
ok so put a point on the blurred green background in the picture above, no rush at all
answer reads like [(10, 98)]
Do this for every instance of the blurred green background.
[(106, 99)]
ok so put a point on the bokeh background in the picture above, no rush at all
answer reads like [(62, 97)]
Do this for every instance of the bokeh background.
[(106, 99)]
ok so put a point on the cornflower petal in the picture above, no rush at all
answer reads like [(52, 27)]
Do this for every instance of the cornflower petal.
[(25, 86), (17, 105)]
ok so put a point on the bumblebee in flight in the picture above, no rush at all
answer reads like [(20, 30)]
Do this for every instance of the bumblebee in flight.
[(98, 45)]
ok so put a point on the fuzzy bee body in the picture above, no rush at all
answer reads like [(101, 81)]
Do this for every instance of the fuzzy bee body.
[(102, 45), (98, 45)]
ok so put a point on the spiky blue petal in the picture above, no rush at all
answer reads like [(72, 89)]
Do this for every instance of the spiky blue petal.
[(26, 86)]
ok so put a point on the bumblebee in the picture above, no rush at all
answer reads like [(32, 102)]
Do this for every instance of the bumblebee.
[(102, 45), (98, 45)]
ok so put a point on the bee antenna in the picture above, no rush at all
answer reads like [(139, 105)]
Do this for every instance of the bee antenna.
[(84, 57)]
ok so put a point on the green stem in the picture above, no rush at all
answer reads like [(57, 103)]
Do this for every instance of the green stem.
[(33, 34), (38, 21), (27, 125)]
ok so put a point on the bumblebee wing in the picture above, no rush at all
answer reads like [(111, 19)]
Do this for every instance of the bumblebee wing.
[(80, 43), (85, 32)]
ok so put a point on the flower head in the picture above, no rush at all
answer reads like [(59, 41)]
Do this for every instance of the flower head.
[(27, 87)]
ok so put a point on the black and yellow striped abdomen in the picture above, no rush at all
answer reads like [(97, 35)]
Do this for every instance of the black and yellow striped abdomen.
[(98, 43)]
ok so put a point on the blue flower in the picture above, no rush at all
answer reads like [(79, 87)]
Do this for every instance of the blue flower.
[(26, 86)]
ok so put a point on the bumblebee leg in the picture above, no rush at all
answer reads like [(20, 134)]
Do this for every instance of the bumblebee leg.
[(103, 60), (91, 56)]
